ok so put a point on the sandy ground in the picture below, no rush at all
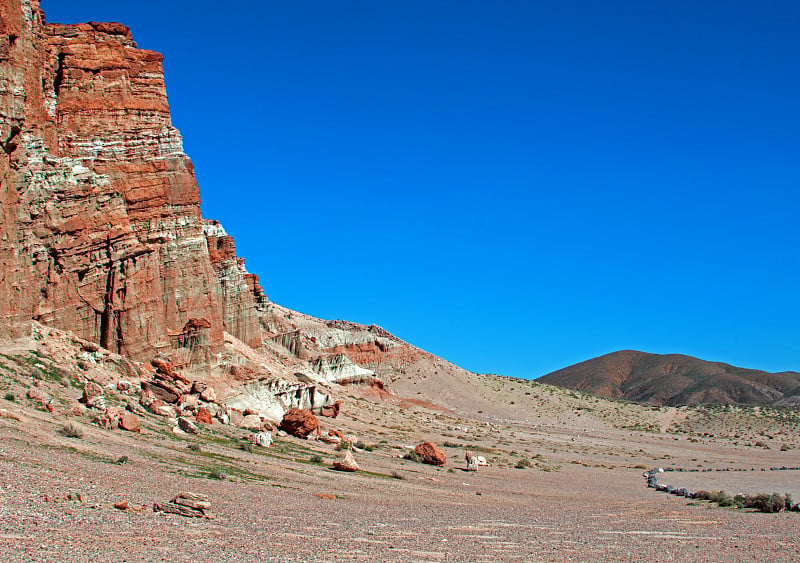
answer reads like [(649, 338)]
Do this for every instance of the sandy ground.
[(266, 509), (564, 482)]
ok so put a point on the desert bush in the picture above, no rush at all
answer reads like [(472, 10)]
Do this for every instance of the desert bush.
[(522, 464), (713, 496), (121, 460), (724, 499), (344, 445), (194, 447), (9, 397), (765, 502), (315, 459), (71, 430), (413, 456), (216, 474)]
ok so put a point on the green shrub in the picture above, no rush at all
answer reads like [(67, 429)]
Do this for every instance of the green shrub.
[(9, 397), (765, 502), (344, 445), (413, 456), (724, 499), (216, 474), (522, 464), (70, 430), (121, 460)]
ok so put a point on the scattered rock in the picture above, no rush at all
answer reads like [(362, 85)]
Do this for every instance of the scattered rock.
[(192, 500), (191, 505), (159, 391), (472, 461), (204, 417), (5, 413), (263, 439), (129, 422), (90, 392), (35, 394), (252, 421), (187, 425), (235, 417), (93, 396), (331, 411), (431, 454), (105, 421), (189, 402), (125, 506), (346, 462), (135, 409), (209, 395), (163, 366), (299, 423)]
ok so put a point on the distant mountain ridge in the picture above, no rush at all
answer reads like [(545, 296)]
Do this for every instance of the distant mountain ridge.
[(675, 379)]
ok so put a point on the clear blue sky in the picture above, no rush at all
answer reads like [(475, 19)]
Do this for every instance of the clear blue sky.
[(513, 185)]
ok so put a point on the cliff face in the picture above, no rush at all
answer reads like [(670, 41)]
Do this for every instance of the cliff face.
[(101, 233), (100, 223)]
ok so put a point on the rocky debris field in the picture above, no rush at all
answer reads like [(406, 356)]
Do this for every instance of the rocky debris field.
[(561, 481)]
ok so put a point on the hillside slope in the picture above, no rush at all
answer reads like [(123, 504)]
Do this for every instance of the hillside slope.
[(675, 379)]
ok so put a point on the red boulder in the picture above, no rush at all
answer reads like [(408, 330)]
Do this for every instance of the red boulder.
[(431, 454), (299, 422)]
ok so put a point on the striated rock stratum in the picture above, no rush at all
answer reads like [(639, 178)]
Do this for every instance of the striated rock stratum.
[(101, 233)]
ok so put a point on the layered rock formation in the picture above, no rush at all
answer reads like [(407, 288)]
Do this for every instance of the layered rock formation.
[(101, 233), (100, 223)]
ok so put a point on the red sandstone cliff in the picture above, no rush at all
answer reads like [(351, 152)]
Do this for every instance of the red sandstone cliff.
[(101, 232), (100, 223)]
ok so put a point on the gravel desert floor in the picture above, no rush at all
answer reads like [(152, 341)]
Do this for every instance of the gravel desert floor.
[(580, 496)]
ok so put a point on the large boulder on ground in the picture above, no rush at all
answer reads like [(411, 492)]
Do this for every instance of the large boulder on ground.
[(135, 408), (346, 462), (299, 422), (209, 395), (431, 454), (159, 391), (235, 417), (129, 422), (204, 416), (331, 411), (187, 425), (251, 421), (93, 396)]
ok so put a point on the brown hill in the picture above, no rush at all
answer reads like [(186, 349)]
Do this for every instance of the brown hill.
[(675, 379)]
